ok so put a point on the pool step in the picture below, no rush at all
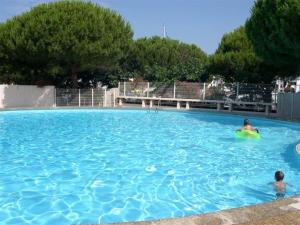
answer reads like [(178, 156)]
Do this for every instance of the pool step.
[(298, 148)]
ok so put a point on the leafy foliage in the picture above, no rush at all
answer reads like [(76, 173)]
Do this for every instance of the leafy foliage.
[(164, 59), (63, 38), (65, 41), (236, 60), (274, 31)]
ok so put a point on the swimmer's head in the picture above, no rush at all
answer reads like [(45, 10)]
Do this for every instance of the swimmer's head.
[(246, 122), (279, 175)]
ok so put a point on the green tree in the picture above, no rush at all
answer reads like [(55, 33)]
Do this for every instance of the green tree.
[(164, 59), (274, 31), (236, 60), (59, 40)]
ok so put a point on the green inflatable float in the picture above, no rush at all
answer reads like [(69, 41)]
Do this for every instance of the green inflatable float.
[(247, 134)]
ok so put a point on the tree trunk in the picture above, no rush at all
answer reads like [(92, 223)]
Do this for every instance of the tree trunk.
[(74, 77)]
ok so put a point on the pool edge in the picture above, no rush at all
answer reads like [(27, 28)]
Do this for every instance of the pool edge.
[(272, 116), (285, 211)]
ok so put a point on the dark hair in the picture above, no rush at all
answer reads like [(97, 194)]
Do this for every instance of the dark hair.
[(246, 122), (279, 175)]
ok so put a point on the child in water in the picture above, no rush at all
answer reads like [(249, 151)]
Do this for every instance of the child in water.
[(248, 126), (279, 185)]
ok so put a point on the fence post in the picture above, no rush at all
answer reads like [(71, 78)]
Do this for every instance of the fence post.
[(104, 101), (114, 97), (68, 101), (292, 105), (237, 91), (124, 88), (148, 86), (174, 89), (54, 97), (204, 90), (92, 97), (79, 98)]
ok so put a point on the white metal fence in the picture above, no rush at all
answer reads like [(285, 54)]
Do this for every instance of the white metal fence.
[(81, 97), (262, 93), (252, 97)]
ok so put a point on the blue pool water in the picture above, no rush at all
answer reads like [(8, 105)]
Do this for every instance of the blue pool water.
[(104, 166)]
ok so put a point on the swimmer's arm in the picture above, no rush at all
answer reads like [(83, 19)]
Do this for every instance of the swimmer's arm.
[(255, 129), (289, 185)]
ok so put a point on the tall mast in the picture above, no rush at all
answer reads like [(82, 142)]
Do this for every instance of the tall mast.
[(164, 31)]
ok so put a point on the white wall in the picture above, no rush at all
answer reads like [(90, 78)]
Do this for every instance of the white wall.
[(288, 106), (15, 96)]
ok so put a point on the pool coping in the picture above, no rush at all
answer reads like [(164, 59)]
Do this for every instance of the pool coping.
[(285, 211), (271, 115), (274, 116)]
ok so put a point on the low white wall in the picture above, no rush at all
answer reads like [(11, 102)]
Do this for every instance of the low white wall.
[(16, 96)]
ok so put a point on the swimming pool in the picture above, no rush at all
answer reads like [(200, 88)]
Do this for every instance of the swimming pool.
[(104, 166)]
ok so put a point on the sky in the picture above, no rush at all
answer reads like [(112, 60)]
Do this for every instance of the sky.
[(200, 22)]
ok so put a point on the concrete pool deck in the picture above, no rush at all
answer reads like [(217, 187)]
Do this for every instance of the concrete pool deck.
[(279, 212)]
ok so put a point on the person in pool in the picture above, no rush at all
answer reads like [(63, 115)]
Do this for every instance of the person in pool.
[(248, 126), (279, 185)]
